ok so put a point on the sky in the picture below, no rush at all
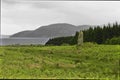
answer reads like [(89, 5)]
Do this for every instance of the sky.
[(20, 15)]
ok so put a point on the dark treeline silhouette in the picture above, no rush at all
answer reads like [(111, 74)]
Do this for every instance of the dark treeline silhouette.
[(101, 34), (71, 40), (98, 34)]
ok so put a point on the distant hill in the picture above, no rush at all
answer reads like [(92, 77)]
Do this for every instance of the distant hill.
[(53, 30), (22, 34)]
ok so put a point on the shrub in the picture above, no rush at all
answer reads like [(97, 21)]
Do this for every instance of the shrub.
[(114, 40), (65, 44)]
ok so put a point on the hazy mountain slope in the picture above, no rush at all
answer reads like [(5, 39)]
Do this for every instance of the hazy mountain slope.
[(53, 30), (21, 34)]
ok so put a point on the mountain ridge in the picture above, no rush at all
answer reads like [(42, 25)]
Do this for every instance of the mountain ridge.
[(52, 30)]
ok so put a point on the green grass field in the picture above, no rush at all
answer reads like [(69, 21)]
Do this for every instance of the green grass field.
[(60, 62)]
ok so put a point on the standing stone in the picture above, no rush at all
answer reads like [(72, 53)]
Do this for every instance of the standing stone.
[(80, 39)]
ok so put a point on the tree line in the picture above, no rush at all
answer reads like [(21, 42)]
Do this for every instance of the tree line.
[(98, 34), (71, 40)]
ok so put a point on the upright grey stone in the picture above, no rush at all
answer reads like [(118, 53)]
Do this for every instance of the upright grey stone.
[(80, 38)]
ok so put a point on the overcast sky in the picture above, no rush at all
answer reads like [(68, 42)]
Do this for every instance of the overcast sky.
[(19, 15)]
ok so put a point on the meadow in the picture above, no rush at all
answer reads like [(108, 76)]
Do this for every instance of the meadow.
[(90, 61)]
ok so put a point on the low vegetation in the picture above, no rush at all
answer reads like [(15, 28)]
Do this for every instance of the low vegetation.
[(90, 61), (113, 41)]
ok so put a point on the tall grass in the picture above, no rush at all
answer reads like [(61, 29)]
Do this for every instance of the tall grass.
[(60, 62)]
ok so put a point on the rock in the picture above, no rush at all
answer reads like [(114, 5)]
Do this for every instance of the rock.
[(80, 39)]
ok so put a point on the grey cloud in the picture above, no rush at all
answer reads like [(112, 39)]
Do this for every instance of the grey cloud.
[(32, 3), (45, 5), (30, 14), (10, 1)]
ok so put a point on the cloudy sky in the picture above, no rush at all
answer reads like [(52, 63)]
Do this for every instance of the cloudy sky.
[(19, 15)]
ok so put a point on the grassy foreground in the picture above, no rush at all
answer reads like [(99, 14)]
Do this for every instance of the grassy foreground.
[(60, 62)]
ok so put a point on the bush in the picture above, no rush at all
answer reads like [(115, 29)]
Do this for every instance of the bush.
[(114, 40), (65, 44)]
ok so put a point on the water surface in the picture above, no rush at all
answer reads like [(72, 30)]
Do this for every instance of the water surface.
[(23, 41)]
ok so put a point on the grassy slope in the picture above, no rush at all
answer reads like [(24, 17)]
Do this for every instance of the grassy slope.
[(90, 61)]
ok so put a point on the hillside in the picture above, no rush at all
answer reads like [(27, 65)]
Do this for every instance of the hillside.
[(22, 34), (53, 30), (90, 61)]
